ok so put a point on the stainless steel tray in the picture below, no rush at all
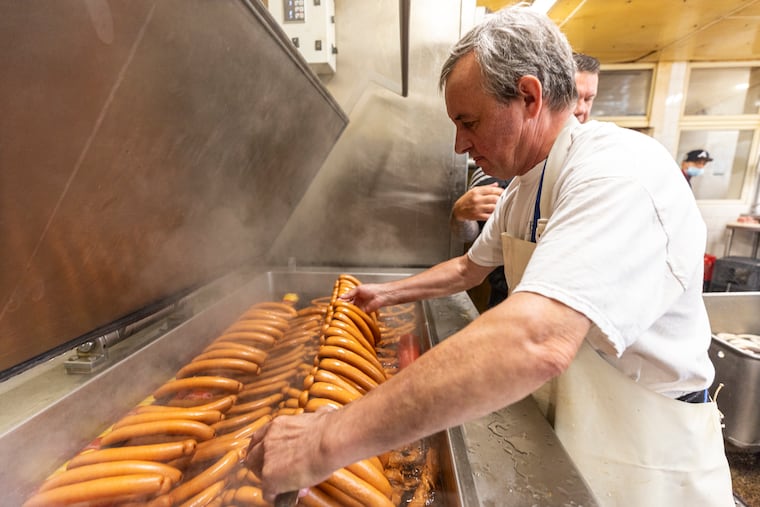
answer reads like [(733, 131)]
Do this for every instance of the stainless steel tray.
[(511, 457)]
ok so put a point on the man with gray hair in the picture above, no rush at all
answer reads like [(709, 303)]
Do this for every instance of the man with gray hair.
[(602, 245)]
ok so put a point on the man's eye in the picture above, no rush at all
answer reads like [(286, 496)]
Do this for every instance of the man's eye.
[(468, 124)]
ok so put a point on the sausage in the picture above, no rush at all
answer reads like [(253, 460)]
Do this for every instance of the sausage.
[(348, 371), (283, 308), (250, 495), (252, 323), (220, 344), (339, 326), (354, 310), (102, 489), (332, 392), (360, 323), (256, 337), (233, 423), (209, 476), (204, 416), (251, 355), (195, 429), (247, 431), (368, 471), (201, 382), (267, 401), (275, 361), (354, 347), (270, 377), (329, 351), (256, 326), (315, 497), (209, 365), (222, 404), (332, 378), (154, 452), (205, 497), (217, 447), (110, 469), (290, 411), (359, 489), (343, 499), (315, 404), (265, 388), (349, 278)]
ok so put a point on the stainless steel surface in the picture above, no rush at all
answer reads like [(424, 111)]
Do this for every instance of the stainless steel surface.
[(511, 455), (147, 146), (738, 371), (384, 195)]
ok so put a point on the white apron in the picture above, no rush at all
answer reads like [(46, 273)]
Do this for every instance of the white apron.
[(634, 447)]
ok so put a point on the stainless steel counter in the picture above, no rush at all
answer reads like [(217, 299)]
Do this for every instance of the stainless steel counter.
[(510, 457)]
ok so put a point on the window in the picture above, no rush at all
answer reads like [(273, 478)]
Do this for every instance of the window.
[(721, 114), (724, 177), (624, 95)]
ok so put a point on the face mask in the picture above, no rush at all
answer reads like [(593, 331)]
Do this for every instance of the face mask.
[(694, 171)]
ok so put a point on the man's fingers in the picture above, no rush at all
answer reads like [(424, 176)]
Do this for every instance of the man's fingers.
[(254, 458)]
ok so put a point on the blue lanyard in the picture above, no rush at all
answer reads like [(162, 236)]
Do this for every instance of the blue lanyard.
[(537, 207)]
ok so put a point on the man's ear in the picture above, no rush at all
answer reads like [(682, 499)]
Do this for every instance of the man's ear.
[(530, 89)]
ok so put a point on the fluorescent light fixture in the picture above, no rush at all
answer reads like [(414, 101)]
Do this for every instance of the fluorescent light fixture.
[(543, 6)]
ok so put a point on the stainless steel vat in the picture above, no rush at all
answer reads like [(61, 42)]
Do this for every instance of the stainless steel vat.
[(511, 457), (737, 371)]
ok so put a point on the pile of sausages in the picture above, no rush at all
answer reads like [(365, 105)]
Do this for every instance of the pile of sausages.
[(185, 444)]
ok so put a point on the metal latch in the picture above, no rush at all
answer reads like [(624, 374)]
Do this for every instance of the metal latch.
[(92, 355)]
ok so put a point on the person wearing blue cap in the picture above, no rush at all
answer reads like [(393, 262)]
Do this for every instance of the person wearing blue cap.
[(694, 164)]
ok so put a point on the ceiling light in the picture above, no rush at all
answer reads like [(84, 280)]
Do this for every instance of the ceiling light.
[(543, 6)]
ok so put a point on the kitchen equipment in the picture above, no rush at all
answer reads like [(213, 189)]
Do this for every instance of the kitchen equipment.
[(737, 372), (511, 454)]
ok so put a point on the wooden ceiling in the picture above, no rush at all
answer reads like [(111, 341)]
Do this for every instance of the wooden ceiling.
[(633, 31)]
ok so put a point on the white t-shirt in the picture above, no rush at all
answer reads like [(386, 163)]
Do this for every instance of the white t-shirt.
[(624, 246)]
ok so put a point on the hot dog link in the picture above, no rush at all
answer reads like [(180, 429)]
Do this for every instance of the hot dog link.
[(358, 489), (201, 382), (256, 404), (335, 329), (231, 352), (348, 371), (315, 404), (205, 497), (204, 416), (101, 489), (332, 392), (111, 469), (250, 495), (153, 452), (198, 430), (233, 423), (210, 365), (315, 497), (329, 351), (355, 347), (212, 474), (367, 470), (332, 378)]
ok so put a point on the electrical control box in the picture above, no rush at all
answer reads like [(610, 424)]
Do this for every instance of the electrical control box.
[(310, 24)]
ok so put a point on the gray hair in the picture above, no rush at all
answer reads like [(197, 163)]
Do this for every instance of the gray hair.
[(515, 42)]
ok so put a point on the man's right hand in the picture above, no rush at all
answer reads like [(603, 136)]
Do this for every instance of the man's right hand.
[(477, 203)]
